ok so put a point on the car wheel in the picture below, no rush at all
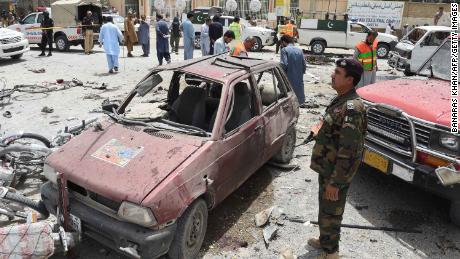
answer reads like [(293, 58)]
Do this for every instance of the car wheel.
[(16, 56), (286, 152), (407, 71), (62, 44), (318, 47), (191, 229), (258, 46), (382, 50), (197, 42), (455, 212)]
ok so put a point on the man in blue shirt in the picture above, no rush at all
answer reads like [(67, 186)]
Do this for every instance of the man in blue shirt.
[(110, 36), (162, 40), (221, 44), (293, 62), (189, 37)]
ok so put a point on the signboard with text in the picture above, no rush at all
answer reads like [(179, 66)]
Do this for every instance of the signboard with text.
[(376, 14)]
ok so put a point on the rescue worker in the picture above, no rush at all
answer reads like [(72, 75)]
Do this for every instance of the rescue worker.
[(337, 154), (235, 26), (293, 62), (366, 54), (130, 34), (241, 49), (47, 34), (221, 44), (88, 23), (281, 29)]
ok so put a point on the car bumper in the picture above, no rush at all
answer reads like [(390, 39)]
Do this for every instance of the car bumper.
[(126, 238), (12, 49), (396, 61), (423, 176)]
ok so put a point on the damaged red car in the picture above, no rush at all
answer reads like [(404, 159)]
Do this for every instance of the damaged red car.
[(142, 182)]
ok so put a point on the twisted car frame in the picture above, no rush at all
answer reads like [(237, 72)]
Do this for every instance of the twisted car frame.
[(142, 182)]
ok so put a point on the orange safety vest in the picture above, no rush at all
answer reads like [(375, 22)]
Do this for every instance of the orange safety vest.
[(289, 30), (367, 55), (238, 49)]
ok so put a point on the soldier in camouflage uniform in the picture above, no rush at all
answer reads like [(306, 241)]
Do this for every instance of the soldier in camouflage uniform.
[(337, 153)]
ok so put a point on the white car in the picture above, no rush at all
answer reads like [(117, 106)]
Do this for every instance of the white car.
[(118, 20), (263, 36), (412, 51), (12, 44), (322, 34)]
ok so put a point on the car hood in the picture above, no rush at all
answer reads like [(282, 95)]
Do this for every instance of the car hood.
[(405, 46), (8, 33), (122, 162), (425, 99)]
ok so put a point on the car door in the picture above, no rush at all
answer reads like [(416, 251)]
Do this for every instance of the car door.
[(242, 141), (356, 33), (273, 107), (27, 28)]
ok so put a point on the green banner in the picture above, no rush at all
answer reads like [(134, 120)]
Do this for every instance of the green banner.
[(332, 25)]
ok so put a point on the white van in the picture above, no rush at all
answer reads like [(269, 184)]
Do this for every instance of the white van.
[(416, 47)]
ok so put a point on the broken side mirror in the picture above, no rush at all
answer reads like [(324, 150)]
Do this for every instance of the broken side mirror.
[(148, 84)]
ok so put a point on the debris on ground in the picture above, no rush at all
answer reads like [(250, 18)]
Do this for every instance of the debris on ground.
[(286, 253), (310, 104), (60, 81), (262, 217), (269, 233), (92, 97), (47, 109), (7, 114), (318, 59), (38, 71), (77, 82)]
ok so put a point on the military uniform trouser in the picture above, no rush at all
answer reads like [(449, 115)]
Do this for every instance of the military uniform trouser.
[(330, 217), (47, 39)]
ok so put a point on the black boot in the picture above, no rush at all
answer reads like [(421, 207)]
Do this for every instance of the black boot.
[(49, 54), (42, 54)]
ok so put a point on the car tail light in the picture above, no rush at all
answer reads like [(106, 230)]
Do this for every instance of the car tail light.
[(432, 160), (78, 30)]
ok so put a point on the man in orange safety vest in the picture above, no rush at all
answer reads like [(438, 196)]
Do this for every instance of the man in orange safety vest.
[(366, 54)]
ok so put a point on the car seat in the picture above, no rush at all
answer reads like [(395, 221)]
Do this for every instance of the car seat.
[(241, 110), (190, 107)]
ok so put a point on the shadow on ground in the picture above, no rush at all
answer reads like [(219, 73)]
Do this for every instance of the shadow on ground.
[(402, 205)]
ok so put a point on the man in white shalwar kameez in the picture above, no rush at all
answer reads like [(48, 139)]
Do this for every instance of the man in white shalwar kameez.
[(111, 37)]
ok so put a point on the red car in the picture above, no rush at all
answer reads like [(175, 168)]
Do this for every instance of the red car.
[(409, 133), (142, 182)]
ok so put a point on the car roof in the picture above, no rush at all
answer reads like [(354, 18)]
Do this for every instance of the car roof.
[(220, 68), (435, 28)]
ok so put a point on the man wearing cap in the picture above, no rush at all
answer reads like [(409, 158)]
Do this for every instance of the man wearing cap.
[(337, 153), (130, 34), (366, 54), (88, 23)]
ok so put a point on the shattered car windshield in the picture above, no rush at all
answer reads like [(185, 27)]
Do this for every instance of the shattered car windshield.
[(415, 35), (173, 100), (436, 65)]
